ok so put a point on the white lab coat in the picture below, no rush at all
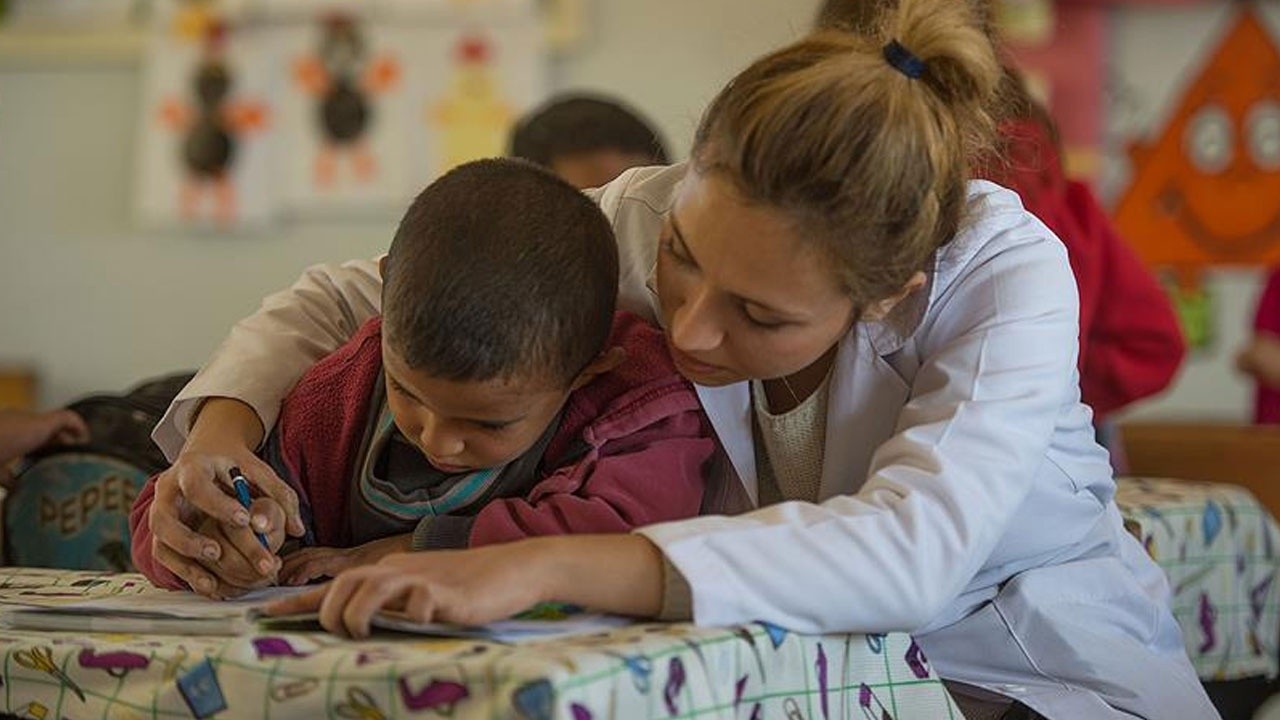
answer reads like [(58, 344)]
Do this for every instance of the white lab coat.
[(963, 496)]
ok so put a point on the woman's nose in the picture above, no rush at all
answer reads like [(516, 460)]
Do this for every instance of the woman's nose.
[(695, 326)]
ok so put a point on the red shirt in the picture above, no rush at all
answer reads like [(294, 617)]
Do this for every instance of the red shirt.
[(1266, 409), (1130, 343)]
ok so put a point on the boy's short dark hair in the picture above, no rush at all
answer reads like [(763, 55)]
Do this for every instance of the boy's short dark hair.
[(574, 124), (500, 269)]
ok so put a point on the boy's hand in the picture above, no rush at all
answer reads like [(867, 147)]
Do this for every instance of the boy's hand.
[(22, 432), (311, 563), (197, 487), (243, 564)]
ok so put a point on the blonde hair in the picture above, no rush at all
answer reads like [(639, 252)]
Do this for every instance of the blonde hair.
[(870, 163)]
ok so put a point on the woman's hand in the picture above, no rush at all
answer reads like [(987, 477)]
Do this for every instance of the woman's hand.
[(191, 492), (312, 563), (612, 573)]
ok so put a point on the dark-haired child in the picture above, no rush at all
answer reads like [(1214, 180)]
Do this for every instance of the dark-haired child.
[(499, 396)]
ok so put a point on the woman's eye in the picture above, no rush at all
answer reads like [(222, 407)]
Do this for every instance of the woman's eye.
[(669, 247), (764, 324)]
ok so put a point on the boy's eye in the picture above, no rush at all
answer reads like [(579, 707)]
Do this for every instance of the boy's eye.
[(493, 427)]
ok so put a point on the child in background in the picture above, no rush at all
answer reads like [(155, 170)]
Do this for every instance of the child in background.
[(23, 431), (498, 397), (1260, 359), (586, 139), (1130, 343)]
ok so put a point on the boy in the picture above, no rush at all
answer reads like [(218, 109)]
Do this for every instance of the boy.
[(586, 139), (498, 397)]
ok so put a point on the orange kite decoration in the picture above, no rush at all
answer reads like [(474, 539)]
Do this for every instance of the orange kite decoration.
[(1207, 191)]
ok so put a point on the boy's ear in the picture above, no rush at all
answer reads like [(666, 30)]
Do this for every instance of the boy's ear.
[(880, 310), (382, 267), (607, 360)]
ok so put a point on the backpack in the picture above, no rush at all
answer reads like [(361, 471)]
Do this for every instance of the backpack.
[(69, 507)]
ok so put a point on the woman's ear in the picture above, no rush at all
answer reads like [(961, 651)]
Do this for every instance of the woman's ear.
[(382, 267), (607, 360), (880, 309)]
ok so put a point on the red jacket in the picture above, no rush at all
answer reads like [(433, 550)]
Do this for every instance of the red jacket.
[(1130, 343), (1266, 409), (636, 438)]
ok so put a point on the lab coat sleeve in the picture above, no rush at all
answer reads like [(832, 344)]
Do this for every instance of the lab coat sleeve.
[(267, 352), (998, 354)]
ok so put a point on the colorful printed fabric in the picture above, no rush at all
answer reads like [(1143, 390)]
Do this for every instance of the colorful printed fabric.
[(639, 671), (1218, 546)]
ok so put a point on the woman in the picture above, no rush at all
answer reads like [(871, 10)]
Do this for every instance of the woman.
[(887, 352)]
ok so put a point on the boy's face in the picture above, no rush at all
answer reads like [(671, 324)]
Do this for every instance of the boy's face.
[(468, 425)]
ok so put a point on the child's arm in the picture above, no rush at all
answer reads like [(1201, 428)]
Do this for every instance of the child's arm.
[(225, 572), (1135, 346), (1261, 359), (22, 432), (292, 330), (653, 475)]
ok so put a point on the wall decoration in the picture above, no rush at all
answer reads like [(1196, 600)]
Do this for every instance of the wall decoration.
[(472, 117), (346, 137), (468, 89), (203, 129), (261, 109), (1203, 190)]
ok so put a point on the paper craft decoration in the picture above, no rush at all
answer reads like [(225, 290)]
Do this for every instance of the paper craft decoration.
[(565, 22), (283, 111), (191, 20), (1204, 192), (345, 132), (199, 134), (471, 121)]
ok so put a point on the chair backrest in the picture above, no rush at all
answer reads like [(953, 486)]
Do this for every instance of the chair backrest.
[(1246, 455)]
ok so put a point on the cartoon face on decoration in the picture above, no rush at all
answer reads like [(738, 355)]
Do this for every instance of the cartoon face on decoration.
[(1207, 192)]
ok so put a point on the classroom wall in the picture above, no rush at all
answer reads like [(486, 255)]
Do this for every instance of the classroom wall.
[(95, 304), (1155, 49)]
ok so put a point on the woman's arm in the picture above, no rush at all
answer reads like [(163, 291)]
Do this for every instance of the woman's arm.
[(615, 573), (996, 373), (267, 352)]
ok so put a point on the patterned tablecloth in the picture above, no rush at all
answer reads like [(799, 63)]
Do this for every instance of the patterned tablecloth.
[(639, 671), (1218, 546)]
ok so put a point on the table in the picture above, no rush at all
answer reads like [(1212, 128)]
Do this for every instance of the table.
[(1218, 546), (648, 670)]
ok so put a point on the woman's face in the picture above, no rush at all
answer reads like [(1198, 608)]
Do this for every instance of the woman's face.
[(742, 296)]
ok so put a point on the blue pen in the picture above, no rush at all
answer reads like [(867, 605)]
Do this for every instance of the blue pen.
[(241, 485)]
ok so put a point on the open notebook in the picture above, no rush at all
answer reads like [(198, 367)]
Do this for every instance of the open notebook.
[(185, 613)]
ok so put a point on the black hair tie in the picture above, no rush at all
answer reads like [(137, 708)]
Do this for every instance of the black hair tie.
[(903, 60)]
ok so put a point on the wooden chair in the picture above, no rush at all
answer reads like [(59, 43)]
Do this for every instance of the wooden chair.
[(1246, 455), (17, 388)]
